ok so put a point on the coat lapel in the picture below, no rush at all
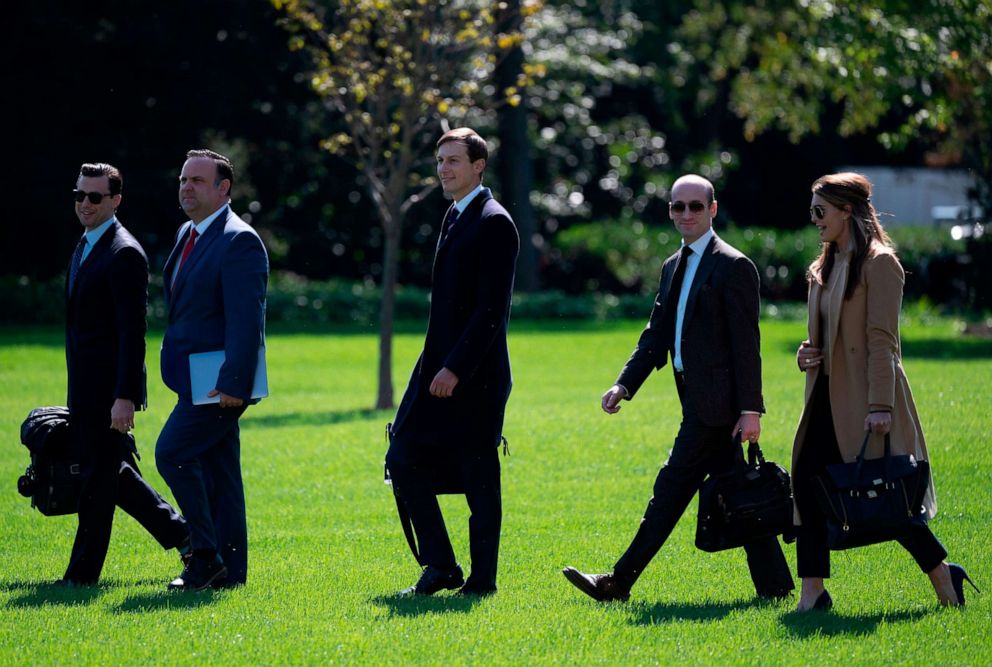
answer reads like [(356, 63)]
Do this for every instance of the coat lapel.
[(101, 247), (706, 265), (836, 302), (467, 217), (200, 248)]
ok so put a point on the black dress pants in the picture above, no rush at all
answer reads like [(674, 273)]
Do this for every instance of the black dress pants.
[(699, 450), (819, 450), (414, 468), (111, 479)]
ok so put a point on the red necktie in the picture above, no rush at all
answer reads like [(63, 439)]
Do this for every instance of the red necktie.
[(187, 249)]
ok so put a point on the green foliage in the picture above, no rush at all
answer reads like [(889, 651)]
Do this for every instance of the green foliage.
[(632, 253), (327, 550), (927, 64)]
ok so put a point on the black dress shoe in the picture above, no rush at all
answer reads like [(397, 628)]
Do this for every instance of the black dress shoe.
[(434, 579), (775, 594), (199, 574), (958, 577), (601, 587)]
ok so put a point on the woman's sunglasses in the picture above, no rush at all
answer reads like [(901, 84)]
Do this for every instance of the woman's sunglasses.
[(695, 206), (94, 197), (817, 211)]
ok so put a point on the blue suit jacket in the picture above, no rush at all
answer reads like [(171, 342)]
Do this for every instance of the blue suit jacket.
[(216, 303)]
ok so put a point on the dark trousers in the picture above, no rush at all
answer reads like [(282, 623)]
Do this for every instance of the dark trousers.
[(199, 455), (699, 450), (111, 479), (818, 451), (414, 469)]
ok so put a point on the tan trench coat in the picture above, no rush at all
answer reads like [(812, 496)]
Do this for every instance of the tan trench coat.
[(865, 363)]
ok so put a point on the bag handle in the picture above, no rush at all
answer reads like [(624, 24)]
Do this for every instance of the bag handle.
[(887, 455), (754, 454)]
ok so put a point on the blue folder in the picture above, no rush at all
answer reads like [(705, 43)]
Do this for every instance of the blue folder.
[(204, 368)]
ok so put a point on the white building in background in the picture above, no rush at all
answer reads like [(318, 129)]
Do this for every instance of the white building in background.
[(920, 196)]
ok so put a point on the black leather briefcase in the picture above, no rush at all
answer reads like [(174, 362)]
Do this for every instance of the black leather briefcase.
[(750, 501)]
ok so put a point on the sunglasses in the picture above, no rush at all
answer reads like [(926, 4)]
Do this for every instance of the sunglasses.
[(94, 197), (695, 206), (817, 211)]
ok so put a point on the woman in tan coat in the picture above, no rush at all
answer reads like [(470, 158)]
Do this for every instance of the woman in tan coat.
[(854, 379)]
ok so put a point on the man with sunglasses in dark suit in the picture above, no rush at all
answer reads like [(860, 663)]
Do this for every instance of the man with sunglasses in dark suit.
[(106, 296), (705, 317), (451, 416), (215, 284)]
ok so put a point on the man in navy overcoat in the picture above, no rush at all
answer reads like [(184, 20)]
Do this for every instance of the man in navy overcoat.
[(451, 416)]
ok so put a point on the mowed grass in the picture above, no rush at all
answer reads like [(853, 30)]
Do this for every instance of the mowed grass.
[(326, 550)]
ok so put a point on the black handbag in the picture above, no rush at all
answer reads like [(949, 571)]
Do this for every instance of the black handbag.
[(872, 500), (752, 500), (53, 480)]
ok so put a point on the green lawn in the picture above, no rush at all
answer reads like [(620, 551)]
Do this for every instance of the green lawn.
[(327, 551)]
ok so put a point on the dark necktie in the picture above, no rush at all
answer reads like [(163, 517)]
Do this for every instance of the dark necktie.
[(449, 221), (676, 289), (187, 249), (77, 259)]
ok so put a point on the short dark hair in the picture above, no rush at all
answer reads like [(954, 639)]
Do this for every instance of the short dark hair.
[(225, 168), (476, 145), (113, 174)]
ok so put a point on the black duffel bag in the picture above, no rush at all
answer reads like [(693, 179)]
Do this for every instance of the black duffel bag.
[(872, 500), (752, 500), (53, 480)]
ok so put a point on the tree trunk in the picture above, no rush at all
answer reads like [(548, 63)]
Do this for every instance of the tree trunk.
[(390, 268), (514, 168)]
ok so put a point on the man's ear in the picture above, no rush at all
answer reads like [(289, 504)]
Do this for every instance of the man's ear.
[(479, 166)]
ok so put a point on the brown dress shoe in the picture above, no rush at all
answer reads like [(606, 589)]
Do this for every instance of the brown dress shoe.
[(601, 587)]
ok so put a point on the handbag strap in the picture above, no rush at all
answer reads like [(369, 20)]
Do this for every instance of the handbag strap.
[(405, 520), (887, 455)]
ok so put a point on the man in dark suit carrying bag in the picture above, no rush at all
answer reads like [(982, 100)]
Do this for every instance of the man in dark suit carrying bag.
[(451, 416), (706, 317), (215, 285), (106, 295)]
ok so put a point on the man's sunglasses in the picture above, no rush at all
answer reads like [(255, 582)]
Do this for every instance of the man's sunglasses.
[(695, 206), (94, 197), (817, 211)]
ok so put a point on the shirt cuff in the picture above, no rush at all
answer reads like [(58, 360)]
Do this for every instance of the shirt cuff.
[(750, 412), (626, 394)]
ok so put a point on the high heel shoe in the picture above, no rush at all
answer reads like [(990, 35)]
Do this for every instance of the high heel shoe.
[(824, 602), (958, 577)]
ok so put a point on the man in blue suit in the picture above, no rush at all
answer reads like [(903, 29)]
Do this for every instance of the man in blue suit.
[(106, 294), (215, 282)]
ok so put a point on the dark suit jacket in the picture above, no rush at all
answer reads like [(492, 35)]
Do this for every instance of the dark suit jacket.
[(217, 303), (472, 283), (105, 327), (720, 341)]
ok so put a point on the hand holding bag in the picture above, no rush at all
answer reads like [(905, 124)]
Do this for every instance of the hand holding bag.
[(752, 500), (872, 500)]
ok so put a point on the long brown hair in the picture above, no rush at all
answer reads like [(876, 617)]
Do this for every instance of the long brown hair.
[(843, 190)]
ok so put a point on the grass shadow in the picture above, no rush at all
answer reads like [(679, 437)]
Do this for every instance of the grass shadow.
[(314, 418), (644, 613), (420, 605), (831, 624), (164, 599), (48, 593)]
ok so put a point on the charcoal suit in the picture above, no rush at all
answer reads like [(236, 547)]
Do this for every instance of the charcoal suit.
[(721, 377)]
